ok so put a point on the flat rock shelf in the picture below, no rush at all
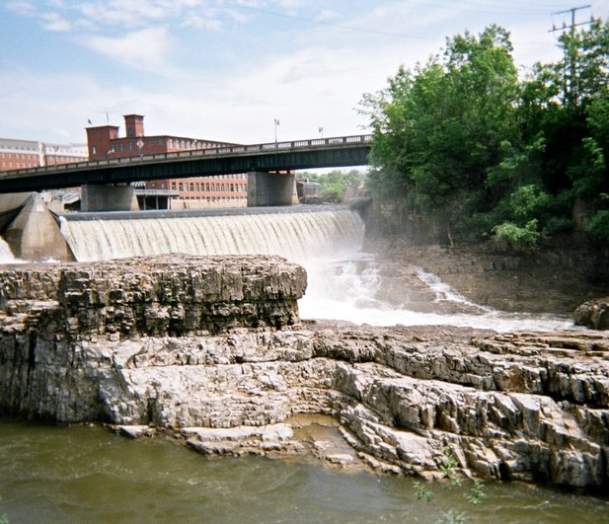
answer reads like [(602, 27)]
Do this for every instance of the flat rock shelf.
[(211, 351)]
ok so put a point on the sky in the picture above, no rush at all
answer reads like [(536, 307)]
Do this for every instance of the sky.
[(225, 69)]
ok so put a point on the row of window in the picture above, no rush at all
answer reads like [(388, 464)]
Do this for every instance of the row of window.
[(15, 165), (21, 148), (206, 186), (19, 155), (188, 144), (212, 198)]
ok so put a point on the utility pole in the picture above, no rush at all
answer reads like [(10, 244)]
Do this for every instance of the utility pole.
[(573, 88)]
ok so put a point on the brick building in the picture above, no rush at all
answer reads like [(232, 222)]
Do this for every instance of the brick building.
[(22, 154), (104, 142)]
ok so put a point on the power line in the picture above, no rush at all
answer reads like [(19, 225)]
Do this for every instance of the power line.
[(573, 23), (570, 49)]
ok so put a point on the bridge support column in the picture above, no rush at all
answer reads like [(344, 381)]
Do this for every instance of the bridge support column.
[(271, 189), (108, 197), (35, 233)]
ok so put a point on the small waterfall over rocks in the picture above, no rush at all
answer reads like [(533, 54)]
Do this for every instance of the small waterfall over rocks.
[(295, 235)]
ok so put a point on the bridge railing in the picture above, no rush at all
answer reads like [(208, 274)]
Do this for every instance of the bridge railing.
[(214, 151)]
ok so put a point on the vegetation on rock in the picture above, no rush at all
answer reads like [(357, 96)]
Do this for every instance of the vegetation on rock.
[(478, 152)]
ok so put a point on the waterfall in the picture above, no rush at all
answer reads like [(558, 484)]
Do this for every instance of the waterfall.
[(294, 235), (6, 255), (343, 282)]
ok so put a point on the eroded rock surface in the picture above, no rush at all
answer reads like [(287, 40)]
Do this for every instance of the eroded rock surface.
[(593, 314), (529, 406)]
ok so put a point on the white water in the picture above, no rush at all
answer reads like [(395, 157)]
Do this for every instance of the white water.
[(296, 236), (343, 289), (6, 255), (343, 281)]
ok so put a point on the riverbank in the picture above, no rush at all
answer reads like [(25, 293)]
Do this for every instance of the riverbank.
[(211, 350), (554, 279)]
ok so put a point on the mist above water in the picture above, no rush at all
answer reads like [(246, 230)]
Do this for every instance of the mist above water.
[(347, 289), (343, 282)]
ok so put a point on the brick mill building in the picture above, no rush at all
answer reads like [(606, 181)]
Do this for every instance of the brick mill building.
[(22, 154), (104, 143)]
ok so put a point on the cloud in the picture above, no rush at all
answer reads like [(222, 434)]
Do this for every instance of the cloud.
[(208, 21), (22, 8), (327, 15), (316, 79), (146, 49), (55, 22)]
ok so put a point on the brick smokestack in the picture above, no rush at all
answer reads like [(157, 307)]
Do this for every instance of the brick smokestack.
[(99, 141), (134, 125)]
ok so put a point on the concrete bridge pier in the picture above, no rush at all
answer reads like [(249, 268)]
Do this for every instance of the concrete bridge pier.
[(35, 234), (108, 197), (271, 189)]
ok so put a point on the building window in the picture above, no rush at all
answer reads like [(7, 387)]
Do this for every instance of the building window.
[(94, 150)]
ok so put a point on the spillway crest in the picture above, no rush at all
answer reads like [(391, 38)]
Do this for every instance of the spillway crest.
[(295, 235)]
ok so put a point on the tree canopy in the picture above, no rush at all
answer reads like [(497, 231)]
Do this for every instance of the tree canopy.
[(479, 152)]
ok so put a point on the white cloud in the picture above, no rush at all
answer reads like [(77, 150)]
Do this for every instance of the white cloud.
[(22, 8), (55, 22), (208, 21), (327, 15), (316, 84), (146, 49)]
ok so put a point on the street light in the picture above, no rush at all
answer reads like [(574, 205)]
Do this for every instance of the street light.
[(276, 122), (320, 130)]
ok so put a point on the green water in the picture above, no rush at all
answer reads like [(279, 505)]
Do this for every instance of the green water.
[(82, 474)]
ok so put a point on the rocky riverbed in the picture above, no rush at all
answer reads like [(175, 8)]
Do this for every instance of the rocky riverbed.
[(211, 351), (555, 280)]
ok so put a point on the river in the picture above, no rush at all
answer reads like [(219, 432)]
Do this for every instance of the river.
[(88, 474)]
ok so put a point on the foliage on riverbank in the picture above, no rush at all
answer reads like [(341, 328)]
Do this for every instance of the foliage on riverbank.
[(334, 185), (466, 144)]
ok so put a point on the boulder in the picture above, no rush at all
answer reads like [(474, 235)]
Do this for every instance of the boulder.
[(593, 314)]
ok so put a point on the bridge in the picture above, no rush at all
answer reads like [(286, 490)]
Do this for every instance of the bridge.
[(261, 161)]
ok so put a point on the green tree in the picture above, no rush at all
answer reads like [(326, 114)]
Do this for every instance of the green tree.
[(462, 142), (438, 129)]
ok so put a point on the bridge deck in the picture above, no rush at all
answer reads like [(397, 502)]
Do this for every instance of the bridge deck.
[(298, 154)]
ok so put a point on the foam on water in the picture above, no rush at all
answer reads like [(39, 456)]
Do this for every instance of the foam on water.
[(342, 289)]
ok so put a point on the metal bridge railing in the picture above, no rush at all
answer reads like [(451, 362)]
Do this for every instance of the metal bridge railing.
[(210, 152)]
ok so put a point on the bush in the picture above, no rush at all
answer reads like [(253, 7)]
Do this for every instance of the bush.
[(517, 236), (598, 226)]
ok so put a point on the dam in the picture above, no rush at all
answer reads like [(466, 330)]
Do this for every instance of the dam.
[(293, 232), (344, 281)]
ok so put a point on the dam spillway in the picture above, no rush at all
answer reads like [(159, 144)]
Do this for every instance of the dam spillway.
[(295, 233)]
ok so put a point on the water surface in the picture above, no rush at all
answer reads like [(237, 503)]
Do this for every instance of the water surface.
[(87, 474)]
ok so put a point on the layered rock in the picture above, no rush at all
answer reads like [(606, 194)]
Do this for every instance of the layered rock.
[(528, 406)]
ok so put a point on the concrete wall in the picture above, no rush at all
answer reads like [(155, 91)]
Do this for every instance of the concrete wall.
[(35, 233), (270, 189), (98, 197)]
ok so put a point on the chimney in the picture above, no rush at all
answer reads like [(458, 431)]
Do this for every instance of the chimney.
[(134, 125), (99, 141)]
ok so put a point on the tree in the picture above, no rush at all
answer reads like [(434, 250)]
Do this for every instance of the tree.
[(438, 129), (462, 142)]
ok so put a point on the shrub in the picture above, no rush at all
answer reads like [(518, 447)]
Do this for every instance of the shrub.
[(518, 236)]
